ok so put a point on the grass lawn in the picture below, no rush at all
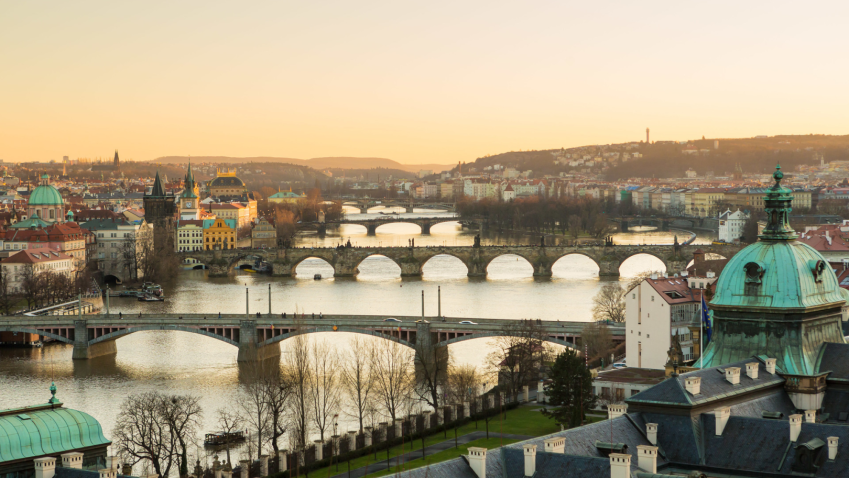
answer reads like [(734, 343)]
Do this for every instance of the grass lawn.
[(520, 421), (447, 455)]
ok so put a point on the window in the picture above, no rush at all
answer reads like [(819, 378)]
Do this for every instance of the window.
[(652, 298)]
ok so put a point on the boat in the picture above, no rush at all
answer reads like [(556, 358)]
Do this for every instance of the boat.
[(223, 438), (151, 288), (317, 277), (151, 298), (250, 270)]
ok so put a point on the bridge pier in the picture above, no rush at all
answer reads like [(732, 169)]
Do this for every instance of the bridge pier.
[(218, 270), (674, 266), (410, 267), (83, 350), (623, 225), (364, 210), (281, 269), (249, 349), (409, 209), (371, 229), (426, 227), (609, 269)]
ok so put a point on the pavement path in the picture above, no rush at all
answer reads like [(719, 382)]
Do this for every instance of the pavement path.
[(430, 450)]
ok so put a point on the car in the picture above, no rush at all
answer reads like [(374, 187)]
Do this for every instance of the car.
[(391, 319), (468, 322), (620, 365), (422, 321)]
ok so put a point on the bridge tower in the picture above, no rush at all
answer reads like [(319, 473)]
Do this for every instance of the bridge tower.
[(159, 210)]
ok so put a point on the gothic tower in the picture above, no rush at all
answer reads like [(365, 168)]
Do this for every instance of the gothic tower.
[(159, 210)]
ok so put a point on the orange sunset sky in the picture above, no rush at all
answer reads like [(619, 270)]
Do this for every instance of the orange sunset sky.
[(414, 81)]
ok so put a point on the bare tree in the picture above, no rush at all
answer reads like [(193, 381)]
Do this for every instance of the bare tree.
[(253, 403), (574, 226), (518, 354), (229, 422), (8, 296), (463, 383), (357, 379), (156, 428), (393, 375), (431, 372), (277, 393), (182, 413), (596, 339), (609, 303), (298, 373), (30, 284), (324, 386)]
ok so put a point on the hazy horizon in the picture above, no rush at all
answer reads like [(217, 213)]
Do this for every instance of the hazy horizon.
[(418, 83)]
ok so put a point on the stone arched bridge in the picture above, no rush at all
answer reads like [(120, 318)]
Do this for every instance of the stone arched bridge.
[(259, 337), (425, 223), (364, 204), (345, 261)]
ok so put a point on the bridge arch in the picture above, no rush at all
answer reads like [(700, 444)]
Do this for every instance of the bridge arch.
[(578, 272), (488, 260), (358, 262), (499, 334), (235, 259), (124, 332), (426, 260), (318, 257), (625, 259), (412, 222), (25, 330), (339, 328)]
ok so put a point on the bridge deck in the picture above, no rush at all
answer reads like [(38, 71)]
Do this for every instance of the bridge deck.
[(351, 321)]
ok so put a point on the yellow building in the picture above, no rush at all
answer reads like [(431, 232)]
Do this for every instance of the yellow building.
[(264, 235), (219, 232), (706, 202), (286, 196), (227, 185)]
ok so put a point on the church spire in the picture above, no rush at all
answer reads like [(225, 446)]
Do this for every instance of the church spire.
[(777, 207), (158, 190)]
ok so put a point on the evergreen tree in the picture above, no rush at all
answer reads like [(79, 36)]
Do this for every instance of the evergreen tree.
[(570, 391)]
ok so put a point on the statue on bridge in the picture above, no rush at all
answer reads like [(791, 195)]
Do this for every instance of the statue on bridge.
[(542, 241), (477, 240), (608, 241)]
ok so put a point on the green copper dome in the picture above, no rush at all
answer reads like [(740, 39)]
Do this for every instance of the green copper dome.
[(777, 298), (45, 194), (777, 274)]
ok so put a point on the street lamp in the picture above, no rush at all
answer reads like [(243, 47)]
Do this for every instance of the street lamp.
[(335, 439)]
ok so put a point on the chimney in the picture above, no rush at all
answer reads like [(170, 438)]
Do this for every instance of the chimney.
[(810, 416), (617, 410), (477, 461), (684, 273), (112, 462), (654, 275), (651, 433), (710, 274), (752, 370), (108, 473), (45, 467), (530, 459), (647, 458), (72, 460), (732, 374), (770, 366), (832, 448), (555, 445), (620, 465), (698, 257), (722, 415), (795, 427), (693, 385)]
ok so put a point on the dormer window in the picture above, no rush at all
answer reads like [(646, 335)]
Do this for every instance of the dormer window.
[(754, 273), (817, 269)]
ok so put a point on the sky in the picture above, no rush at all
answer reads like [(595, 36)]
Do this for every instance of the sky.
[(414, 81)]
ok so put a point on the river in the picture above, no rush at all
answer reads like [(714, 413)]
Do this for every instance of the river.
[(191, 364)]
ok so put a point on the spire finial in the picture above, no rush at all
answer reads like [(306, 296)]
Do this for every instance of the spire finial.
[(53, 398)]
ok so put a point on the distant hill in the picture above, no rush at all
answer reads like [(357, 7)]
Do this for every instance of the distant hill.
[(316, 163)]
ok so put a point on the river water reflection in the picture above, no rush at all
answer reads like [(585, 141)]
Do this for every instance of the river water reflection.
[(192, 364)]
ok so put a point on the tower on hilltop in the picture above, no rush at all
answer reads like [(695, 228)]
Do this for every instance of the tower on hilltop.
[(647, 136)]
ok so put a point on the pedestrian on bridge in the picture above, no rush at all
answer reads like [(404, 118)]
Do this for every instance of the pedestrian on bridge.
[(284, 315), (120, 316), (219, 315)]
